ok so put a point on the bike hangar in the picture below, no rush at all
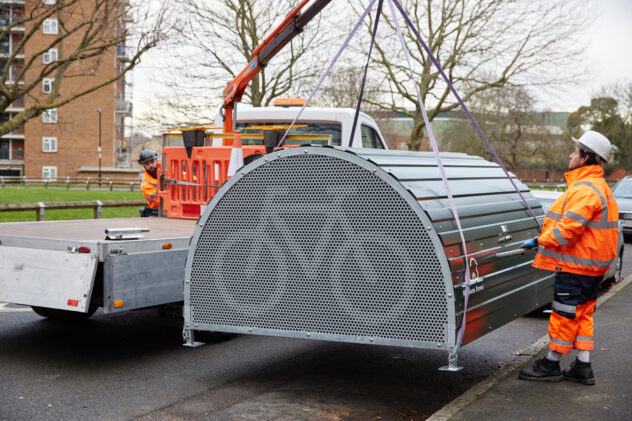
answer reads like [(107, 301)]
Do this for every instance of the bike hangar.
[(413, 249)]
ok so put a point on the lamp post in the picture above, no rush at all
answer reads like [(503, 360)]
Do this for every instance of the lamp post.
[(99, 111)]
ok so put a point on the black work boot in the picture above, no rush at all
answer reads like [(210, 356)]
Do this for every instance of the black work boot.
[(543, 370), (579, 372)]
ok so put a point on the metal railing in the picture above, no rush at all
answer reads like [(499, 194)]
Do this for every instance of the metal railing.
[(96, 205), (67, 182)]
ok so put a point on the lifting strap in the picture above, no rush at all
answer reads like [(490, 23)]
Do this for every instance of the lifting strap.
[(331, 65), (454, 352), (366, 68)]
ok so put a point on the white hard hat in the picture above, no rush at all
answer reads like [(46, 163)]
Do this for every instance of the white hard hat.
[(595, 142)]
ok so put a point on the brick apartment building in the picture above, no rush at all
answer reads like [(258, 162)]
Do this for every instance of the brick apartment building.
[(64, 142)]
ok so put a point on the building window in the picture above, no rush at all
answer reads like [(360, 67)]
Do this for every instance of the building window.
[(50, 26), (49, 172), (50, 56), (5, 149), (47, 85), (49, 144), (49, 116)]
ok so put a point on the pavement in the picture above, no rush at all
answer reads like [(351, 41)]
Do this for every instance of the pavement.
[(505, 397)]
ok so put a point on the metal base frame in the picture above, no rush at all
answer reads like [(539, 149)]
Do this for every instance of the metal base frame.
[(189, 339), (453, 365)]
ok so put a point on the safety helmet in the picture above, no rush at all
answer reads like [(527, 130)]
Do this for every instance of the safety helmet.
[(146, 155), (595, 142)]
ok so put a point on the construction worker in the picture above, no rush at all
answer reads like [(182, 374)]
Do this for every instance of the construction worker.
[(149, 160), (578, 242)]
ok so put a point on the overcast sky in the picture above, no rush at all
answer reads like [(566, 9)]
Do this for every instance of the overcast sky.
[(609, 53), (608, 56)]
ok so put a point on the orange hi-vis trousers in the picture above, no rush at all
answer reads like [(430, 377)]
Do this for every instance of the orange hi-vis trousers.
[(571, 322)]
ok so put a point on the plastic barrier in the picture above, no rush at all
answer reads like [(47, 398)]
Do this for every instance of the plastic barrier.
[(190, 183)]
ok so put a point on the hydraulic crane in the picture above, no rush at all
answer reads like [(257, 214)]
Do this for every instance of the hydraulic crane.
[(291, 26)]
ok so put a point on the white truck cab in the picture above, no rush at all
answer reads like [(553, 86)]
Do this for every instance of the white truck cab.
[(337, 122)]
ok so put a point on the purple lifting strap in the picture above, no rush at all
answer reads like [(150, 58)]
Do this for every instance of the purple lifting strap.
[(444, 177), (366, 68), (331, 65), (467, 111)]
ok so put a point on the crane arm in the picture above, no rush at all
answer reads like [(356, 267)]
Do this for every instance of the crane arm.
[(291, 26)]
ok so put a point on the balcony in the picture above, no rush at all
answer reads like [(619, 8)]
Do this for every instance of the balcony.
[(124, 107)]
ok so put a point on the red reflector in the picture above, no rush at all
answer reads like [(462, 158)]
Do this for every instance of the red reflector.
[(83, 250), (73, 303)]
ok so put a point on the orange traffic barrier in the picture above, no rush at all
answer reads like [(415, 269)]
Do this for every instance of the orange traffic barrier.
[(190, 183)]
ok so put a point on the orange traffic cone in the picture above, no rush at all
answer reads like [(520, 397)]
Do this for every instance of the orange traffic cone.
[(236, 156)]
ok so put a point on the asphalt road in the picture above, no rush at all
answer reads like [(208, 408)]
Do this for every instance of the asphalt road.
[(131, 365)]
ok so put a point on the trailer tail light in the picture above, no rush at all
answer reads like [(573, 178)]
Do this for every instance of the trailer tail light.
[(117, 304), (73, 303), (83, 250), (167, 246)]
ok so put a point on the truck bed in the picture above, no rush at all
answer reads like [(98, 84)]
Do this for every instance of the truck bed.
[(41, 264), (94, 229)]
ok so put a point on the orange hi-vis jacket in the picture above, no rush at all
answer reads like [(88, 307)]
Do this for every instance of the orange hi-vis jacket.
[(580, 229), (148, 186)]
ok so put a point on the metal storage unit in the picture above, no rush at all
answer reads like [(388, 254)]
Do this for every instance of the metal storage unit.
[(360, 245)]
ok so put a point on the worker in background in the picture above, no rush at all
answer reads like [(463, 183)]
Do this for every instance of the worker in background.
[(579, 243), (149, 185)]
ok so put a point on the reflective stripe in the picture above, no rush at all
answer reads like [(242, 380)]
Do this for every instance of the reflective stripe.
[(576, 217), (604, 204), (152, 197), (554, 216), (584, 338), (591, 224), (559, 341), (603, 225), (564, 307), (559, 237), (149, 182), (576, 260)]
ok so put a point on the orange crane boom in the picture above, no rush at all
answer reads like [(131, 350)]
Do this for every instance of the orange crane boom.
[(291, 26)]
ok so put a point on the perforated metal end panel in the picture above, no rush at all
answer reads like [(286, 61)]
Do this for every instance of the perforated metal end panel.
[(323, 245)]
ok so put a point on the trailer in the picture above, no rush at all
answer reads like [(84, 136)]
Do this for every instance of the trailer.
[(68, 269)]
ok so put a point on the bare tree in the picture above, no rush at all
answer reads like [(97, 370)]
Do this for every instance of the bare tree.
[(481, 45), (80, 34), (216, 42), (520, 135), (342, 87)]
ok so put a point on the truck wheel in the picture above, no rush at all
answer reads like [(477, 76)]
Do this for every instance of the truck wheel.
[(57, 314), (41, 311)]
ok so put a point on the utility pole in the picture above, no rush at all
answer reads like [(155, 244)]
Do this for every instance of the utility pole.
[(99, 111)]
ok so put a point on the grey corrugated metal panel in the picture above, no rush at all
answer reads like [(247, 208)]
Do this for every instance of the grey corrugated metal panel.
[(404, 158), (507, 284), (439, 203), (497, 284), (504, 308), (438, 215), (412, 173), (491, 223), (424, 190), (475, 233), (370, 152)]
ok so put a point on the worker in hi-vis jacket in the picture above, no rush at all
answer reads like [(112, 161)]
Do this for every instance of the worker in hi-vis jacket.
[(579, 243), (149, 185)]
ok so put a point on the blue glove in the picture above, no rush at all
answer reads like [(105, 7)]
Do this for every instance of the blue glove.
[(529, 244)]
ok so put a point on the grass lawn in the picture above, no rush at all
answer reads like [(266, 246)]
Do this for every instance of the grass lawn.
[(34, 195)]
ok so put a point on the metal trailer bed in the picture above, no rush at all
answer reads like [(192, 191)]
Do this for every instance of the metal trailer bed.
[(360, 245), (69, 265)]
